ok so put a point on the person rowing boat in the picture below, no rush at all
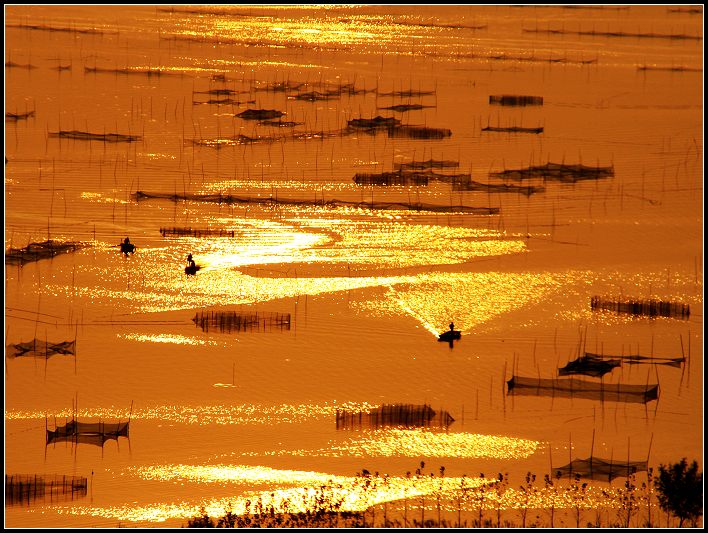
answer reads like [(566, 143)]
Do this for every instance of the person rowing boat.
[(127, 247)]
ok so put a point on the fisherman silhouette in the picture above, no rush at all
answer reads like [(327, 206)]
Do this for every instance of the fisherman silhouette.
[(127, 247), (191, 267), (450, 336)]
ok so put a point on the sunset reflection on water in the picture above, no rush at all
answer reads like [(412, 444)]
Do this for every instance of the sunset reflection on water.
[(313, 32), (300, 491), (144, 106), (244, 414), (423, 443), (360, 246)]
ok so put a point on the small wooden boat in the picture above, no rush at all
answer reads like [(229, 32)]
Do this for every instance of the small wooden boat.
[(450, 335), (127, 248), (191, 269)]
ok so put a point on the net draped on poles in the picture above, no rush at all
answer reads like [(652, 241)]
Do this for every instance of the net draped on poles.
[(599, 469), (41, 348)]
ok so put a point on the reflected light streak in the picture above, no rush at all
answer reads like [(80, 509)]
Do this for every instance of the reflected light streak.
[(398, 245), (382, 244), (224, 288), (262, 63), (310, 32), (354, 493), (561, 496), (168, 339), (274, 186), (244, 414), (471, 299), (250, 475), (316, 31), (100, 198), (423, 443)]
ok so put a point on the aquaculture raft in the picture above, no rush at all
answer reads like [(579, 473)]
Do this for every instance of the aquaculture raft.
[(398, 178), (228, 321), (196, 232), (260, 114), (513, 129), (40, 250), (515, 99), (589, 365), (402, 108), (334, 203), (372, 123), (96, 433), (394, 415), (575, 388), (424, 165), (642, 359), (40, 348), (24, 488), (600, 469), (556, 171), (651, 308), (18, 116), (88, 136), (471, 185), (419, 132)]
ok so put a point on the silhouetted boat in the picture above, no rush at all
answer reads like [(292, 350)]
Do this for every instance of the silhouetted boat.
[(127, 248), (450, 335), (191, 269)]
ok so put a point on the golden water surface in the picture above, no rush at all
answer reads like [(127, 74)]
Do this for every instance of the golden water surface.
[(368, 274)]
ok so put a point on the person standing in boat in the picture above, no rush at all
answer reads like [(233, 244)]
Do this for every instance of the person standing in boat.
[(126, 247), (452, 326), (191, 267)]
